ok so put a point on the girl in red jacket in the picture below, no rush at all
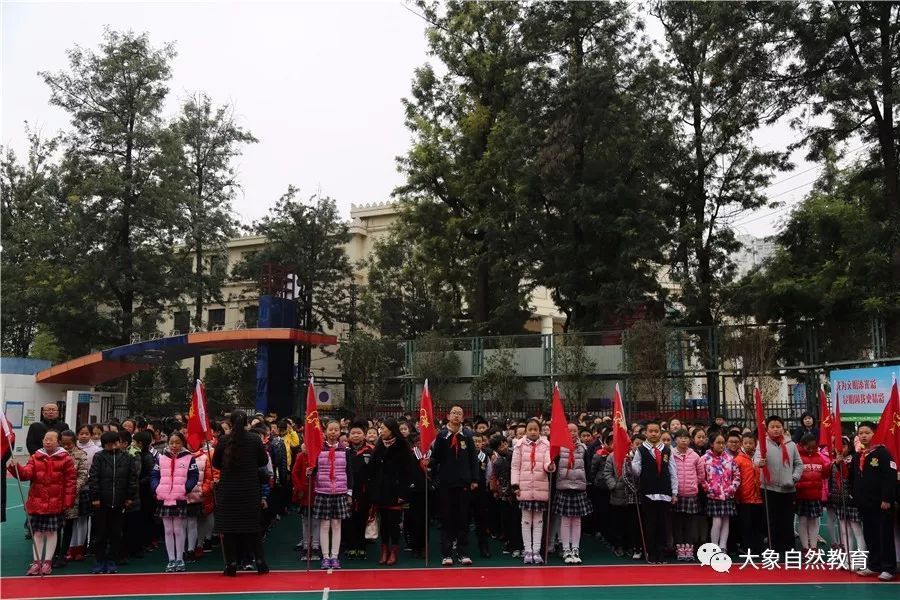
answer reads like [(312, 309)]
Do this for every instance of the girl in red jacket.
[(816, 470), (52, 474), (305, 496)]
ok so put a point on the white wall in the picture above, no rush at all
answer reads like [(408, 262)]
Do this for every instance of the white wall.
[(22, 388)]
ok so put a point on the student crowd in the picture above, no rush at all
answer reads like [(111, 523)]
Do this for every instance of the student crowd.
[(121, 489)]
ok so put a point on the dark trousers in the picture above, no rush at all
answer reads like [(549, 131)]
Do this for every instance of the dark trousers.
[(654, 514), (752, 527), (454, 520), (107, 523), (64, 539), (353, 530), (480, 506), (414, 526), (682, 528), (623, 527), (878, 530), (511, 522), (601, 517), (390, 526), (242, 547), (781, 517)]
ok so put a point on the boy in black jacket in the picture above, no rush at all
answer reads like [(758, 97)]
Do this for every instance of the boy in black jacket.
[(873, 479), (354, 528), (481, 497), (455, 464), (114, 487), (501, 486)]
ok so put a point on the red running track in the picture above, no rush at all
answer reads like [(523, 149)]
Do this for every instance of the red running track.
[(98, 586)]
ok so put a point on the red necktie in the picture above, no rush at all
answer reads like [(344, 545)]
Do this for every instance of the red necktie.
[(331, 450), (658, 456), (533, 449)]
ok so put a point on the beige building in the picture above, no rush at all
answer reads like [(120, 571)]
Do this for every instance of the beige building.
[(368, 223)]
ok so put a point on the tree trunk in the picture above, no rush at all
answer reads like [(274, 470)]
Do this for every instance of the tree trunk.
[(887, 136), (198, 310)]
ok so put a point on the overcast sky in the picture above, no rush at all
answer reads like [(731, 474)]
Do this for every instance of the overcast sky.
[(318, 83)]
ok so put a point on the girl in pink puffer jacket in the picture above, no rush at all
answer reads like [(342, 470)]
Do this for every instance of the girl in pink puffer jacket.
[(530, 481), (691, 472), (172, 479)]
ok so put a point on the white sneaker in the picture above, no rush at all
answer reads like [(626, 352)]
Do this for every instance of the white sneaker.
[(567, 557), (465, 560), (885, 576), (447, 562), (636, 556), (866, 573), (576, 557)]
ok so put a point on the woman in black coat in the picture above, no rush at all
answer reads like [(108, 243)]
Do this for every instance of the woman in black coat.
[(239, 502), (391, 481)]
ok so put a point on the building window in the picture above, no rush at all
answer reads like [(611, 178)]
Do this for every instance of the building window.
[(251, 316), (182, 322), (216, 319)]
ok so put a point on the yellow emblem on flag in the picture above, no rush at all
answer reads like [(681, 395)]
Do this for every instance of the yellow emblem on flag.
[(423, 419)]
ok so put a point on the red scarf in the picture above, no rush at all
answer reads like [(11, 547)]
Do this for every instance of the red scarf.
[(571, 458), (533, 450), (331, 450), (454, 443), (785, 458), (658, 455)]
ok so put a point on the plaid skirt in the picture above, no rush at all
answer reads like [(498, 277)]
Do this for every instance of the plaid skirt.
[(533, 505), (572, 503), (688, 505), (48, 522), (178, 510), (808, 508), (720, 508), (331, 506), (195, 510), (848, 513)]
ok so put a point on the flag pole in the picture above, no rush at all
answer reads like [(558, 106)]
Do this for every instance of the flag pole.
[(309, 531), (637, 505), (427, 522)]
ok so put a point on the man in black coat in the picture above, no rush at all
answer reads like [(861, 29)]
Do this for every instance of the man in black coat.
[(454, 462), (34, 439)]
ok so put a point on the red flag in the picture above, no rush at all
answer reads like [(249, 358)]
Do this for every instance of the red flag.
[(888, 431), (621, 439), (761, 428), (837, 432), (826, 419), (8, 438), (312, 429), (198, 428), (559, 426), (427, 432)]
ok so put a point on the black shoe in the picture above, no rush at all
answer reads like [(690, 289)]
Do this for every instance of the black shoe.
[(59, 562), (261, 567), (485, 552), (230, 570)]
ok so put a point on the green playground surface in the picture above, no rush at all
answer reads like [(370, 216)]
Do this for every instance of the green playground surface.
[(279, 547)]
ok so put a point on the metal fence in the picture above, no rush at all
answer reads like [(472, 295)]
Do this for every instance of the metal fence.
[(692, 373)]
